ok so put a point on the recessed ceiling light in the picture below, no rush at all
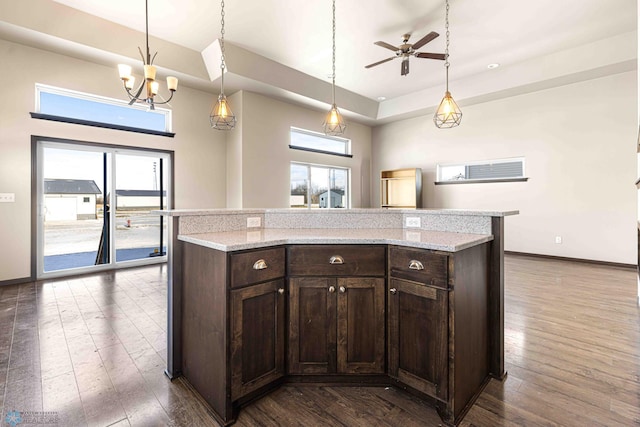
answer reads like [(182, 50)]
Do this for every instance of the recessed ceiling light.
[(492, 66), (381, 98)]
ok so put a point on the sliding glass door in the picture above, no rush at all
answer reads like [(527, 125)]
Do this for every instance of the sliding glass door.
[(95, 207)]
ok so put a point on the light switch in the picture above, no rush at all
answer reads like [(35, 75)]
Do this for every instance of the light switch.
[(7, 197)]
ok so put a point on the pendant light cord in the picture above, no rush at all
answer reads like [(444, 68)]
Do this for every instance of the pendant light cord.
[(446, 50), (333, 75), (222, 63), (146, 14)]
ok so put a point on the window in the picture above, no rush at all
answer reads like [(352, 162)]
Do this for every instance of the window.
[(80, 108), (482, 171), (319, 143), (85, 200), (317, 186)]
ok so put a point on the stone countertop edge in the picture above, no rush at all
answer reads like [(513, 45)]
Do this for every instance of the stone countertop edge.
[(213, 241), (201, 212)]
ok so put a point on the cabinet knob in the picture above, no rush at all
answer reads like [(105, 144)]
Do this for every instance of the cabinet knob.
[(281, 291), (336, 259), (332, 289), (415, 265), (343, 289), (393, 291), (260, 264)]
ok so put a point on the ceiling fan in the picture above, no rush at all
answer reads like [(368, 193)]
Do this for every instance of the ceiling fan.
[(406, 49)]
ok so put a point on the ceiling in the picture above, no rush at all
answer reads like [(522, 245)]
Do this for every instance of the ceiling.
[(537, 44)]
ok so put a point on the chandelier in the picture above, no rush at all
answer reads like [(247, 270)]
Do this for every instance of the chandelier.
[(448, 114), (148, 89), (221, 117), (334, 123)]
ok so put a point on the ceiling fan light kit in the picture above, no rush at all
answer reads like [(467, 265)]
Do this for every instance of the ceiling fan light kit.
[(221, 117), (334, 124), (448, 114), (149, 83)]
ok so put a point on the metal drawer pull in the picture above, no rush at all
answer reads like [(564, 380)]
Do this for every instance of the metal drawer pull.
[(260, 264), (343, 289), (393, 291), (415, 265), (336, 259), (332, 289), (281, 291)]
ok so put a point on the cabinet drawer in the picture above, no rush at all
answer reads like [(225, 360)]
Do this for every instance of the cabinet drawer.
[(256, 266), (420, 266), (336, 260)]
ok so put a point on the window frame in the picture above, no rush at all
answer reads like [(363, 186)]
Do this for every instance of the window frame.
[(346, 141), (42, 88), (522, 178), (308, 195)]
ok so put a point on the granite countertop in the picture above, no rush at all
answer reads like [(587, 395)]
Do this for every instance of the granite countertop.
[(223, 211), (250, 239)]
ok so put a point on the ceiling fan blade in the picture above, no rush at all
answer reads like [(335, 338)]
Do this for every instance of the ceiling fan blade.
[(426, 39), (379, 62), (387, 45), (440, 56), (404, 69)]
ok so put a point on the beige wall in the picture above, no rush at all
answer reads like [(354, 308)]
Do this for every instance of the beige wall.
[(265, 155), (579, 145), (200, 152)]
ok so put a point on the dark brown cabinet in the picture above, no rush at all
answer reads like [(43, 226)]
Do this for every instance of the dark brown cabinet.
[(233, 324), (418, 337), (437, 325), (336, 324), (377, 314), (257, 336)]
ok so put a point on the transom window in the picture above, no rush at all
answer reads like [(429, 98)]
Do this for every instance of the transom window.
[(319, 143), (82, 108), (319, 186), (482, 171)]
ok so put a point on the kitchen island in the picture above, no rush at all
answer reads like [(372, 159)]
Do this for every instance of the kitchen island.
[(409, 298)]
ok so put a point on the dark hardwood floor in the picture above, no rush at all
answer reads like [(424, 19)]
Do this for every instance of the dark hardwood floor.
[(90, 351)]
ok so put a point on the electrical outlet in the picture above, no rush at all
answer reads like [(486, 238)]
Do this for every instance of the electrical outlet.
[(254, 221), (412, 221), (558, 239), (7, 197)]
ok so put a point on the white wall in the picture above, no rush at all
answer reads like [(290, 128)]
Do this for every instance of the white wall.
[(200, 152), (264, 156), (579, 142)]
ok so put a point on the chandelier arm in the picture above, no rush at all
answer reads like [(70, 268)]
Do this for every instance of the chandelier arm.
[(164, 101), (141, 55)]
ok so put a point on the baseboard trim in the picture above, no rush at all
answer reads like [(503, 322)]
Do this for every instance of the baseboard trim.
[(19, 281), (586, 261)]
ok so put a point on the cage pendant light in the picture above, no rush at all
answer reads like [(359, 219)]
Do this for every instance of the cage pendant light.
[(334, 123), (448, 114), (221, 117)]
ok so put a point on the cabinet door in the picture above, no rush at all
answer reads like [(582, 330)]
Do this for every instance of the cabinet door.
[(257, 336), (361, 325), (418, 337), (312, 325)]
